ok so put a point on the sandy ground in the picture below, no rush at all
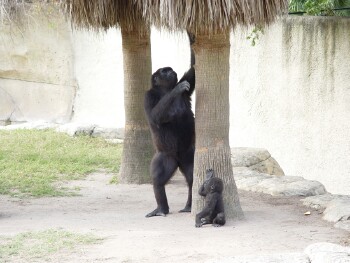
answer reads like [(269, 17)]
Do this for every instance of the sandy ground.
[(117, 213)]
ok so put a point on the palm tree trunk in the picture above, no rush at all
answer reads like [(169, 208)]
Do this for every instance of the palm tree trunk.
[(138, 149), (212, 120)]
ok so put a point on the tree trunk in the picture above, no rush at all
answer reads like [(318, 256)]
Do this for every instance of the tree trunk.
[(138, 149), (212, 120)]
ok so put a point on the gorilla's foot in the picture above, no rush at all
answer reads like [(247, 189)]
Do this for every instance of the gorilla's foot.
[(187, 209), (202, 222), (199, 225), (217, 225), (157, 212)]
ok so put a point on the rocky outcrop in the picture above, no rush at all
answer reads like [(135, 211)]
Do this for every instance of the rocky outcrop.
[(251, 180), (256, 159), (335, 208)]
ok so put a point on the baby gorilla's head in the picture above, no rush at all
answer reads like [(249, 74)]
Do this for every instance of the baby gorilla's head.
[(212, 184)]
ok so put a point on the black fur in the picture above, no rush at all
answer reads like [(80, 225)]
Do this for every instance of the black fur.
[(213, 211), (171, 120)]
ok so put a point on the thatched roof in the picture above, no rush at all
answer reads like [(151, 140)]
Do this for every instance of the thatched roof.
[(10, 9), (198, 16), (18, 11), (103, 14), (204, 16), (210, 16)]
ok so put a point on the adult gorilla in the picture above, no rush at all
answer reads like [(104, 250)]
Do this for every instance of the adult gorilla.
[(171, 120)]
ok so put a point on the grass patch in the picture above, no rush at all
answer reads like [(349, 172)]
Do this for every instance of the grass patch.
[(43, 244), (31, 161), (114, 180)]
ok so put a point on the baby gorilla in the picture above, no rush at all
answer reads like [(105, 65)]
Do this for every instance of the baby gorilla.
[(213, 211)]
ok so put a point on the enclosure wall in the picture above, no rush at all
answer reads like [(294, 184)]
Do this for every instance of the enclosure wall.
[(290, 94)]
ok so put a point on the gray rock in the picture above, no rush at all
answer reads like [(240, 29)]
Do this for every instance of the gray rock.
[(269, 166), (337, 210), (256, 159), (318, 202), (246, 157), (76, 129), (108, 133), (345, 225), (246, 179), (275, 258), (328, 253), (277, 186)]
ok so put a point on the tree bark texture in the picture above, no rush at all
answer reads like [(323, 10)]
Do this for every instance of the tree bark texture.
[(212, 120), (138, 149)]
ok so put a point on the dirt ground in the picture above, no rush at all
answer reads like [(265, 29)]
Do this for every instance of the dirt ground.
[(117, 213)]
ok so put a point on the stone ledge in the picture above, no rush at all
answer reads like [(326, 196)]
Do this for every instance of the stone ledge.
[(335, 208), (250, 180)]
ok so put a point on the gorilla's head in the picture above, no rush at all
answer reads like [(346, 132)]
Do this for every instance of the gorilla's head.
[(212, 184), (164, 78)]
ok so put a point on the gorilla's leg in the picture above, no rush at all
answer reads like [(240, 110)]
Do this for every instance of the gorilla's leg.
[(219, 220), (162, 168), (186, 167)]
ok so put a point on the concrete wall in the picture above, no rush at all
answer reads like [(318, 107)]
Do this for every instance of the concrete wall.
[(36, 68), (290, 94), (99, 71)]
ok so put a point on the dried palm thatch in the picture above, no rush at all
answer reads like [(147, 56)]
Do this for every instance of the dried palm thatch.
[(18, 10), (210, 16), (11, 9), (103, 14)]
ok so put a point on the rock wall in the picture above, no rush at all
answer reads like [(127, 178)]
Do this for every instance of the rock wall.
[(290, 94), (37, 79)]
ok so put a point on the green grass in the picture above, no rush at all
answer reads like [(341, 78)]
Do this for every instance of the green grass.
[(43, 244), (32, 161)]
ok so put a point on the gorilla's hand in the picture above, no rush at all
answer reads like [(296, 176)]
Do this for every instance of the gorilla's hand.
[(182, 87), (209, 174)]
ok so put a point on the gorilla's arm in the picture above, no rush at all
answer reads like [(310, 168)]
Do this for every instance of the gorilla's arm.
[(208, 210), (192, 39), (202, 191), (190, 77), (159, 113)]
